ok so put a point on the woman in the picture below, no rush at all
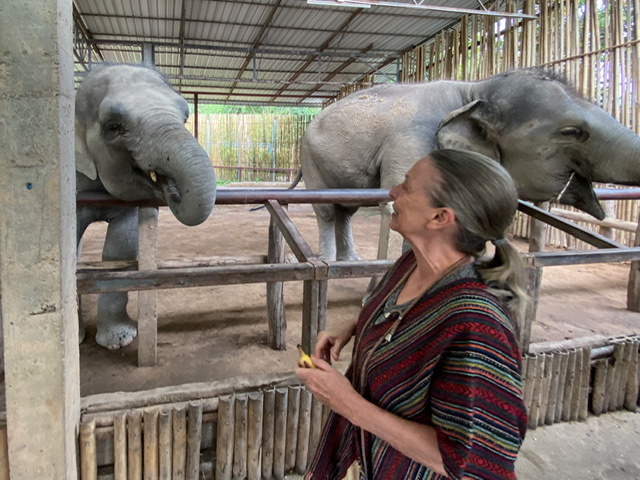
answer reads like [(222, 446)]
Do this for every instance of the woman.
[(434, 389)]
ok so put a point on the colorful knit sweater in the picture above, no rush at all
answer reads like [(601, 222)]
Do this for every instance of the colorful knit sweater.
[(450, 361)]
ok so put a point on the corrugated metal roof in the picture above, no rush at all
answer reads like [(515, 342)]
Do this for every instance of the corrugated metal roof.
[(276, 52)]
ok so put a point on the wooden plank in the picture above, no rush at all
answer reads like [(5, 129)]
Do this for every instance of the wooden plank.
[(147, 300), (580, 233), (295, 240), (277, 321), (110, 281), (599, 385)]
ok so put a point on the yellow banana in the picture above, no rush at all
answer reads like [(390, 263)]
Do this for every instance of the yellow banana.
[(305, 360)]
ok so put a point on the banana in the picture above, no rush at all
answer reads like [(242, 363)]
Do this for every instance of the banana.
[(305, 360)]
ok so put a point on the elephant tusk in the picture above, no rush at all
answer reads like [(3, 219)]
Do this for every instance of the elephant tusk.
[(154, 176)]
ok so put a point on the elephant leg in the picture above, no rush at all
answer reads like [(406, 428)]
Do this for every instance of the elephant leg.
[(345, 248), (326, 217), (115, 329)]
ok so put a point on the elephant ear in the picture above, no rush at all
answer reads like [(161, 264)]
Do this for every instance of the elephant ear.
[(470, 127), (84, 160)]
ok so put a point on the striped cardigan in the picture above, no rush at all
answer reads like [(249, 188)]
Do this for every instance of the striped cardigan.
[(452, 362)]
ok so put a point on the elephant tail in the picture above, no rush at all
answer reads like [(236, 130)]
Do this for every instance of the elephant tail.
[(295, 182)]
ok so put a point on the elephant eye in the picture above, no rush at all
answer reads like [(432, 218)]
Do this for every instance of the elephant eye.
[(575, 132)]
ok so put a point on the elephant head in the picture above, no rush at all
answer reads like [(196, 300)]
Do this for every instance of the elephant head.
[(552, 141), (131, 140)]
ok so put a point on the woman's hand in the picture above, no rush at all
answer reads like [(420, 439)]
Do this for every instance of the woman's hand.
[(331, 343), (329, 386)]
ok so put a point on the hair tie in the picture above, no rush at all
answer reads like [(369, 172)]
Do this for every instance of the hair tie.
[(500, 241)]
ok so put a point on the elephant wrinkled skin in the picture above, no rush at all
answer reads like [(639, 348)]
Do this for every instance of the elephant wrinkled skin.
[(550, 140), (131, 142)]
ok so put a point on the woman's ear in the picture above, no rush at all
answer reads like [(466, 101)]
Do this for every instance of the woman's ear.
[(441, 218)]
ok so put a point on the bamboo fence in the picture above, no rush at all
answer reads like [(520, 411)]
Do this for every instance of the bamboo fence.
[(271, 431), (252, 147)]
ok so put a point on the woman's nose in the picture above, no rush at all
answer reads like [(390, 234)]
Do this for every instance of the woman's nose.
[(393, 193)]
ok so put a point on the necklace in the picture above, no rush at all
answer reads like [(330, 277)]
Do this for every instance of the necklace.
[(392, 311)]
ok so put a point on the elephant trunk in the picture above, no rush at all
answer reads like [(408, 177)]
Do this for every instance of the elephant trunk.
[(615, 157), (182, 173)]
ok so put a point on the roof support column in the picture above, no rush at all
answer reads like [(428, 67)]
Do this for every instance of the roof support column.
[(37, 240)]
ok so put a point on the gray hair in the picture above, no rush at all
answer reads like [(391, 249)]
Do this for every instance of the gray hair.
[(484, 199)]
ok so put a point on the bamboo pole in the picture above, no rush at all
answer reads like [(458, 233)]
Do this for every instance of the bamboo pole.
[(529, 381), (576, 386), (194, 439), (599, 385), (545, 388), (631, 395), (120, 448), (150, 445), (293, 416), (179, 454), (316, 425), (88, 460), (134, 446), (562, 379), (304, 424), (164, 444), (536, 396), (568, 386), (280, 433), (550, 413), (240, 436), (583, 406), (254, 434), (268, 432), (224, 443)]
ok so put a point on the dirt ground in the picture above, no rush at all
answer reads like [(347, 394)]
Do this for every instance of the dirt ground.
[(215, 333)]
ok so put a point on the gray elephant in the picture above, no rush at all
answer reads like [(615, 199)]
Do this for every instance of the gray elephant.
[(131, 142), (553, 142)]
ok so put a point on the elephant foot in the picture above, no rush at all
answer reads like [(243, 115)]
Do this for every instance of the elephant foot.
[(116, 335)]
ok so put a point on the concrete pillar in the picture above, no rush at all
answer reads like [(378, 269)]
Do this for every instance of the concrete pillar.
[(37, 238)]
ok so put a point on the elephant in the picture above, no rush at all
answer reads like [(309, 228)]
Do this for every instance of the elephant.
[(131, 141), (552, 141)]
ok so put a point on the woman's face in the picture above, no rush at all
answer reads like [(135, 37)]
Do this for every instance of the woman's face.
[(411, 201)]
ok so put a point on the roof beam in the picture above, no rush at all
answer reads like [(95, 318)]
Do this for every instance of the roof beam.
[(335, 72), (322, 47), (257, 41)]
